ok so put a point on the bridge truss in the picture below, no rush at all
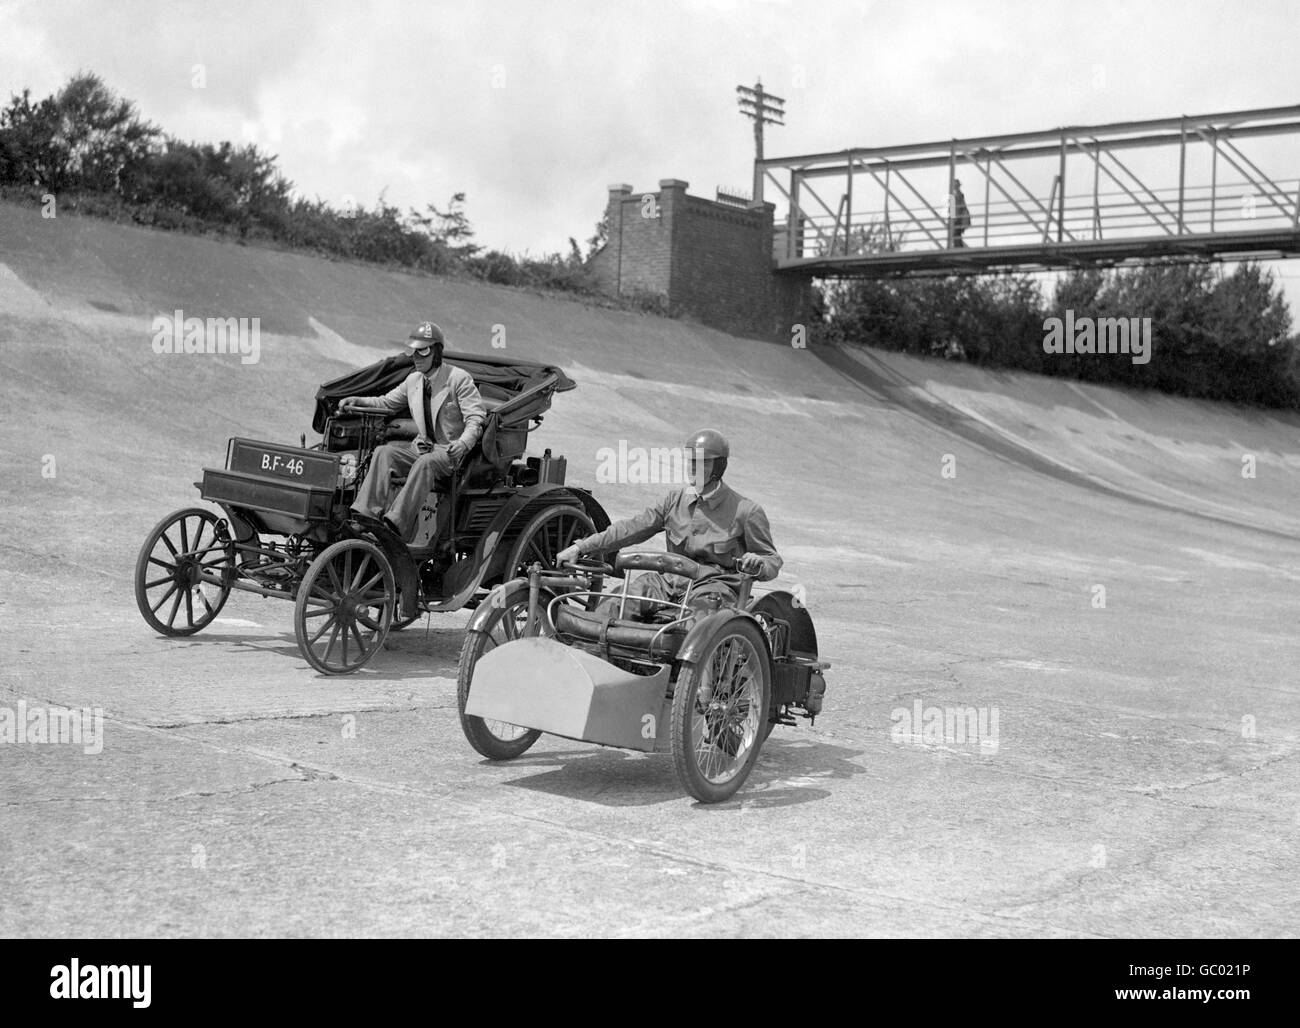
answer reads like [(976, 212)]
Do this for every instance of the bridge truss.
[(1211, 187)]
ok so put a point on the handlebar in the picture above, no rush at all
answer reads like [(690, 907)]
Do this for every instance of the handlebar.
[(588, 566), (660, 561)]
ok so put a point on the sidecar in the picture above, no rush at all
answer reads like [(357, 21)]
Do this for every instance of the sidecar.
[(553, 652)]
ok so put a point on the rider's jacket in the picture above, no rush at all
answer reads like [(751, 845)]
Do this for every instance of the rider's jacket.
[(712, 529)]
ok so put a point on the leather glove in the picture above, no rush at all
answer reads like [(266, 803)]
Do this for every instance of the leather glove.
[(751, 564)]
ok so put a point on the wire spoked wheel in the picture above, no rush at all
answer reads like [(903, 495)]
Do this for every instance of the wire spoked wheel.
[(171, 595), (720, 711), (344, 607), (508, 621), (542, 539)]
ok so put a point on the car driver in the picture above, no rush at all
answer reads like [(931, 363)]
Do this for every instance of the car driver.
[(449, 416)]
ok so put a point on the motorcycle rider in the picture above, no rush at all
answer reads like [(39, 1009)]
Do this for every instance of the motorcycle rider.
[(707, 521)]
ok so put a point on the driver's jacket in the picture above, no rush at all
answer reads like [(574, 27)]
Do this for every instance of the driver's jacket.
[(712, 529), (448, 394)]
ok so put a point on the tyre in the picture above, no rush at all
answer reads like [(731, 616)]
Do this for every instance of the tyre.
[(721, 705), (168, 591), (549, 532), (495, 740), (344, 607)]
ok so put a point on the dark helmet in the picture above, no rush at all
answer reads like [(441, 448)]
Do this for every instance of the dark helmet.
[(710, 445), (713, 444), (426, 336)]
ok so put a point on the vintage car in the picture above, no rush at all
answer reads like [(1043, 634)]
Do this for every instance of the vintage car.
[(549, 652), (285, 528)]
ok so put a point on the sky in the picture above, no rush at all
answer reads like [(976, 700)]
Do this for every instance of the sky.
[(533, 109)]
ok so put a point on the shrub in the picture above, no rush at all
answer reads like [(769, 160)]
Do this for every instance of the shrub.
[(93, 150), (1215, 335)]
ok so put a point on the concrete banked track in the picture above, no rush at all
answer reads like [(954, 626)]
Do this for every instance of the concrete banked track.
[(1142, 780)]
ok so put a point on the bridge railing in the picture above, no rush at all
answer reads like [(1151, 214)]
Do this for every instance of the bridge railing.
[(1085, 217), (1106, 191)]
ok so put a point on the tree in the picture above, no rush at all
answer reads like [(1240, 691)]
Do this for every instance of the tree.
[(98, 136), (1214, 335), (451, 227), (601, 236), (85, 138), (82, 138), (26, 140)]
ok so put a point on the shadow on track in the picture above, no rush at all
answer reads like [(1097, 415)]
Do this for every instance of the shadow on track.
[(786, 774), (415, 658)]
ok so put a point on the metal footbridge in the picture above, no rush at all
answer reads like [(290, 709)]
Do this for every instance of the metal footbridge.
[(1207, 188)]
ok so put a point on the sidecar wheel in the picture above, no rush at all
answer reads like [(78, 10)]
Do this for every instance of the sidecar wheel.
[(496, 740)]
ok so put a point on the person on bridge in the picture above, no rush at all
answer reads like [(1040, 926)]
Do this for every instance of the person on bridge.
[(449, 416), (707, 521), (958, 214)]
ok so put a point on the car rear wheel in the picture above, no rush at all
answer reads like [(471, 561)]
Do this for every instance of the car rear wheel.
[(542, 539)]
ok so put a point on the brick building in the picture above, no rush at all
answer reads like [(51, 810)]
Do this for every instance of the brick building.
[(707, 260)]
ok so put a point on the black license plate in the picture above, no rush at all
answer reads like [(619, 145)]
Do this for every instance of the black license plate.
[(306, 467)]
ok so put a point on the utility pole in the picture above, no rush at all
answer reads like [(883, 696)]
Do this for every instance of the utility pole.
[(764, 109)]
